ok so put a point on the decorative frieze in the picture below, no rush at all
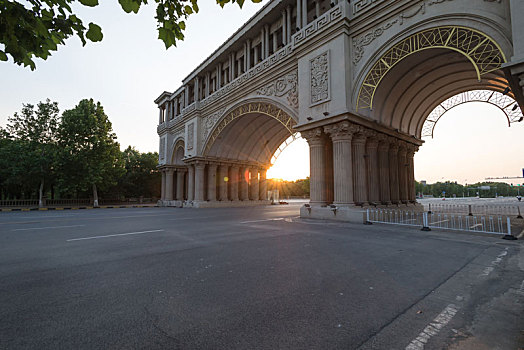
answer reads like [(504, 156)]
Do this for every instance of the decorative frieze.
[(368, 38), (319, 74), (362, 5), (282, 86), (209, 122), (318, 25)]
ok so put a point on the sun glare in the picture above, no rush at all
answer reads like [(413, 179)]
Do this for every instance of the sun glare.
[(293, 163)]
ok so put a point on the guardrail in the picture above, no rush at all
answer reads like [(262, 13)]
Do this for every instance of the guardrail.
[(500, 225), (28, 203), (471, 209)]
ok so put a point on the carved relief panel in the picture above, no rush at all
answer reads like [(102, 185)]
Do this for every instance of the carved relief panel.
[(319, 78)]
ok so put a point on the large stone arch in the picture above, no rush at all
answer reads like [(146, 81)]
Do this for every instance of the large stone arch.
[(251, 130), (411, 76)]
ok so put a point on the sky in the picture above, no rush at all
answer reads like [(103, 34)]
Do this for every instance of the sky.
[(131, 67)]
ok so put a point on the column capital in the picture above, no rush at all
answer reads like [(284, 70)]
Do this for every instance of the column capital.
[(313, 136), (200, 165), (393, 143), (360, 138), (342, 131)]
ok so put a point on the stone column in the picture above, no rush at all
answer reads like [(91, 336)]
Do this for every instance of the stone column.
[(200, 183), (402, 173), (169, 185), (263, 184), (393, 171), (223, 179), (359, 169), (373, 169), (212, 182), (317, 143), (244, 183), (190, 182), (383, 160), (180, 175), (284, 27), (163, 186), (233, 182), (266, 41), (288, 20), (248, 55), (412, 195), (255, 189), (304, 13), (299, 14), (341, 135)]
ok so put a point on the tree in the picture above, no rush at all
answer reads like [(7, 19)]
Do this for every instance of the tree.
[(35, 134), (142, 177), (34, 28), (89, 153)]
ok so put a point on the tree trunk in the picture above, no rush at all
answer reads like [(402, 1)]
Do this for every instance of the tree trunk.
[(95, 197), (41, 194)]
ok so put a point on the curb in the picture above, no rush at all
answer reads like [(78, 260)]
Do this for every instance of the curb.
[(77, 208)]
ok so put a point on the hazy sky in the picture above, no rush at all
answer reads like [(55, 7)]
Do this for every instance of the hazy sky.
[(131, 67)]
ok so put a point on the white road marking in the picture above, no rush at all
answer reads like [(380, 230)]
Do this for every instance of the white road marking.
[(433, 328), (196, 218), (115, 235), (249, 222), (521, 290), (45, 228), (495, 262)]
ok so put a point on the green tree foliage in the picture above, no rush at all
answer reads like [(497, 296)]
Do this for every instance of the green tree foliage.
[(35, 28), (33, 134), (89, 153), (454, 189), (298, 188), (142, 177)]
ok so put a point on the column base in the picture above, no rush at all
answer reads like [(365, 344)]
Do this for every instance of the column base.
[(170, 203), (350, 213)]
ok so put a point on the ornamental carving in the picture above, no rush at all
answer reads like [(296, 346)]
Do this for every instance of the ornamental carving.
[(162, 149), (319, 70), (361, 5), (210, 121), (367, 39), (317, 25), (313, 136), (190, 136), (282, 86), (341, 131)]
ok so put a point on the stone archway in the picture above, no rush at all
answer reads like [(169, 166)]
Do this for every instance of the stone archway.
[(482, 51), (236, 154)]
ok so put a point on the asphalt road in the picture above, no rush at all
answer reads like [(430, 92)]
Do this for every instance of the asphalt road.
[(251, 278)]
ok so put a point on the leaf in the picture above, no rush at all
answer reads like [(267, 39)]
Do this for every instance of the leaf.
[(94, 33), (90, 3), (3, 56), (188, 9), (129, 6)]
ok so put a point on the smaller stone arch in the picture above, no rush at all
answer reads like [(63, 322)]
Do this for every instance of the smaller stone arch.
[(266, 108), (480, 49), (178, 152), (502, 101)]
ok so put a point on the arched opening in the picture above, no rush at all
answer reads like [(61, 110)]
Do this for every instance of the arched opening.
[(405, 85), (470, 143), (237, 153), (433, 73)]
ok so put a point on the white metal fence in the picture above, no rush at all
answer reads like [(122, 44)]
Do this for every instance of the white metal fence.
[(495, 224), (471, 209)]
